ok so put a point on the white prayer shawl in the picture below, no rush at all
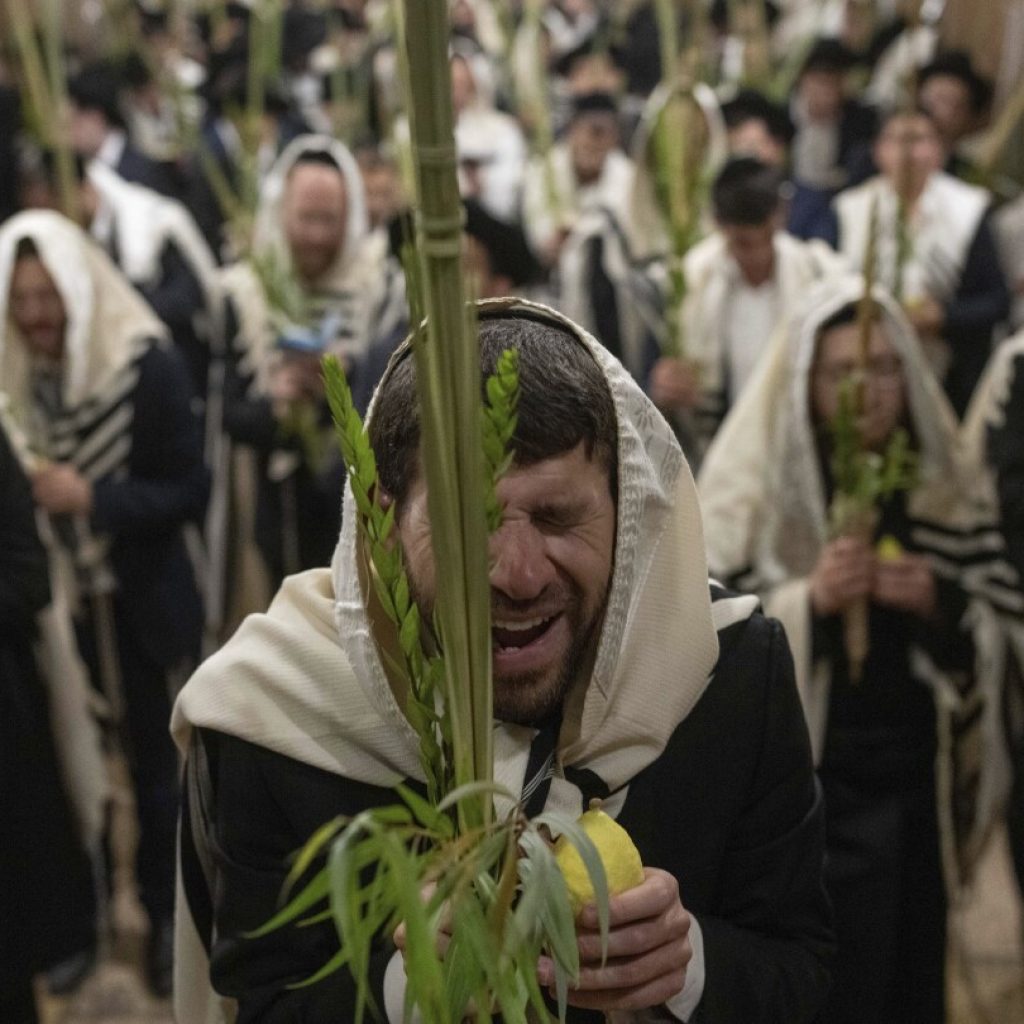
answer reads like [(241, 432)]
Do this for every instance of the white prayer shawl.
[(306, 680), (638, 300), (108, 322), (350, 283), (898, 65), (109, 326), (144, 221), (986, 412), (494, 140), (711, 276), (764, 504), (542, 220), (941, 228)]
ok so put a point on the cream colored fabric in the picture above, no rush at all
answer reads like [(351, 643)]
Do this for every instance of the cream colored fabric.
[(764, 504), (941, 229), (543, 221), (710, 276), (306, 680), (145, 221), (352, 283), (108, 322), (269, 232), (986, 411)]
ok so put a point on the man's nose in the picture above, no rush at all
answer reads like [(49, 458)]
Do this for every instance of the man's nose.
[(520, 566)]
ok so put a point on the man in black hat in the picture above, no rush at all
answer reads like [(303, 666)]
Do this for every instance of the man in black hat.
[(957, 98), (97, 129)]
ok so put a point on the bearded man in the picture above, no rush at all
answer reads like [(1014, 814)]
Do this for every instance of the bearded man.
[(102, 400), (614, 663)]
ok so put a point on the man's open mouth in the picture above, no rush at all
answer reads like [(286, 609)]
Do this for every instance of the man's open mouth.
[(513, 636)]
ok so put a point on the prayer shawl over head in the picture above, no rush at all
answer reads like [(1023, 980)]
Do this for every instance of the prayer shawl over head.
[(987, 412), (109, 328), (143, 223), (764, 503), (307, 680), (108, 324), (345, 288)]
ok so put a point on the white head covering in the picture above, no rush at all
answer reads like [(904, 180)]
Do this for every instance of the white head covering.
[(771, 426), (306, 679), (107, 320), (144, 222), (764, 501), (321, 677), (349, 285), (269, 229)]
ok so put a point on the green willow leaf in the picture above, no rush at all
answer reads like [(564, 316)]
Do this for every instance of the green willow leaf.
[(317, 890), (314, 846), (474, 789), (335, 963)]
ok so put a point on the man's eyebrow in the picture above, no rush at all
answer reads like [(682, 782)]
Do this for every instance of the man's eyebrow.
[(561, 511)]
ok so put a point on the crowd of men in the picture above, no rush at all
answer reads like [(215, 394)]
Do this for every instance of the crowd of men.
[(169, 460)]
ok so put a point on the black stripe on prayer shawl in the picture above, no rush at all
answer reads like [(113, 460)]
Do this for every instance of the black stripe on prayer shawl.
[(69, 424), (96, 437)]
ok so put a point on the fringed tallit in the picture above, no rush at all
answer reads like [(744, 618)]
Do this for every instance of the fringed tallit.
[(307, 680), (764, 501)]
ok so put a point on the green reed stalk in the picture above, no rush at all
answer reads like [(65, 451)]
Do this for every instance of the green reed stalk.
[(448, 380), (54, 36)]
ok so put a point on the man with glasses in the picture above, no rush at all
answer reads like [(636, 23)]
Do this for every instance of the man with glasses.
[(767, 486)]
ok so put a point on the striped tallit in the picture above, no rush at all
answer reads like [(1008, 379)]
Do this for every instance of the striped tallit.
[(307, 680), (765, 508)]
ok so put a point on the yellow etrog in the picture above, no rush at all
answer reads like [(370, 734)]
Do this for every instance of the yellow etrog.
[(620, 857)]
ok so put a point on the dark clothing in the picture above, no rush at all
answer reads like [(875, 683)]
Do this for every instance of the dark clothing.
[(47, 905), (10, 124), (980, 301), (1006, 456), (177, 297), (878, 773), (134, 165), (1005, 453), (742, 833), (145, 512), (298, 512), (808, 210), (157, 612)]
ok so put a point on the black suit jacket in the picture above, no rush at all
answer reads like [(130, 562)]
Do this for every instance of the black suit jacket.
[(731, 808), (145, 512), (136, 166)]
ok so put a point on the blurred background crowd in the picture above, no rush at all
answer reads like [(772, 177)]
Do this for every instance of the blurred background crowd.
[(198, 200)]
